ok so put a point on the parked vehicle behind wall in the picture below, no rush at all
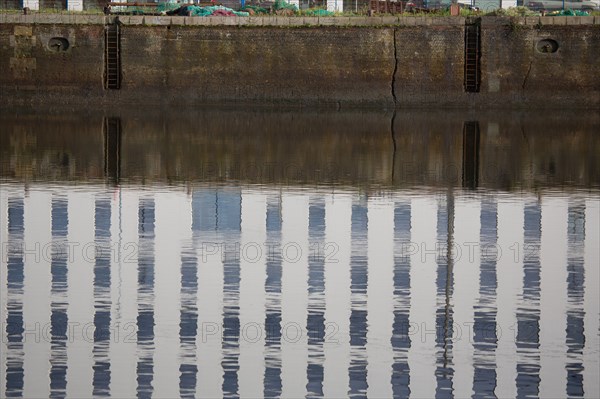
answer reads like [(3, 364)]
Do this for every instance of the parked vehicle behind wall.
[(550, 5)]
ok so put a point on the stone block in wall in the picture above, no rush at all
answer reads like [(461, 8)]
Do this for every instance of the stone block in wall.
[(587, 20), (547, 20), (81, 19), (310, 21), (423, 21), (216, 20), (407, 21), (449, 21), (255, 20), (157, 20), (269, 21), (21, 19), (342, 21), (97, 19), (573, 20), (374, 21), (532, 21), (196, 21), (359, 21), (296, 21), (136, 20), (232, 21), (517, 21), (439, 21), (68, 19), (495, 21), (178, 20), (23, 30), (327, 21), (390, 20), (243, 21), (10, 18), (282, 21)]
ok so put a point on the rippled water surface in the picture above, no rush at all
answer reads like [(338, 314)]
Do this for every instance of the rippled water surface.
[(245, 253)]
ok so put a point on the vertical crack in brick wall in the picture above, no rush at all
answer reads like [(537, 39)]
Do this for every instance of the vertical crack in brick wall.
[(527, 75)]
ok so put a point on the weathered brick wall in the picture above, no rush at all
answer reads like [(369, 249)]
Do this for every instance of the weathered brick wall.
[(430, 65), (206, 64), (376, 61), (31, 71), (514, 72)]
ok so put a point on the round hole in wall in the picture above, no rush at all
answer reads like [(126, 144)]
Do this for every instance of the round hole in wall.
[(58, 44), (547, 46)]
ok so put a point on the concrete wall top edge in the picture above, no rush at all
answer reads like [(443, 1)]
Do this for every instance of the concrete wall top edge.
[(278, 21)]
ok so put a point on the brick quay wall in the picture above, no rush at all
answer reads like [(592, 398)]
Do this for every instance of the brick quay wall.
[(383, 62)]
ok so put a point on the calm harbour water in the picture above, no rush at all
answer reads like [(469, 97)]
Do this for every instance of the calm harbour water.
[(299, 254)]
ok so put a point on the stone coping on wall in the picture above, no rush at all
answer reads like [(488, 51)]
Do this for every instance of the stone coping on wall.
[(343, 21)]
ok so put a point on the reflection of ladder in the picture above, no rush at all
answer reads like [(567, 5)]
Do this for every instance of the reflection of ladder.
[(112, 59), (470, 169), (112, 148), (472, 56)]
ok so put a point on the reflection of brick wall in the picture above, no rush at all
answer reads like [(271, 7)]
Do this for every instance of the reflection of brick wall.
[(350, 147), (56, 147)]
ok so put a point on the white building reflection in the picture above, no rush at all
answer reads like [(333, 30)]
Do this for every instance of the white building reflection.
[(228, 291)]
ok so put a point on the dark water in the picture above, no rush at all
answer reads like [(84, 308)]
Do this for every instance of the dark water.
[(207, 253)]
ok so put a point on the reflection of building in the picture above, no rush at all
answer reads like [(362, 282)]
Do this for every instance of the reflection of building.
[(216, 210), (421, 292)]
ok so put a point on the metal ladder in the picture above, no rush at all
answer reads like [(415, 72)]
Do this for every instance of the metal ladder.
[(472, 57), (112, 56)]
